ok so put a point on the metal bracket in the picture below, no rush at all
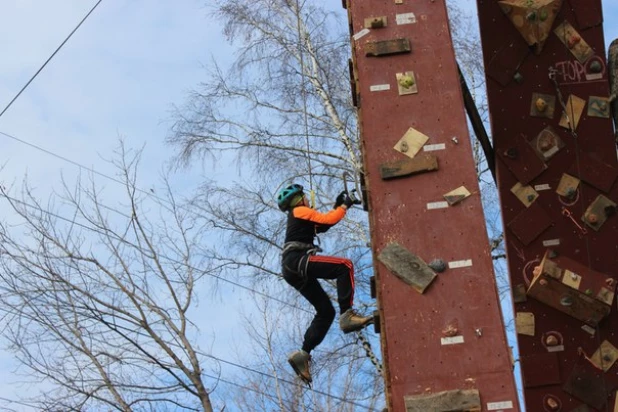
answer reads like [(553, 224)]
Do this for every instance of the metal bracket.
[(352, 193)]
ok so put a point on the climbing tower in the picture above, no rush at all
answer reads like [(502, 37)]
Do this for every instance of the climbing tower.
[(548, 87), (443, 339)]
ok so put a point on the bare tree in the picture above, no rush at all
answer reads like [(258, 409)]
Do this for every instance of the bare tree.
[(96, 300)]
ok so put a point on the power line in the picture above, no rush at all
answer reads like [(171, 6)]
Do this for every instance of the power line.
[(81, 166), (351, 402), (49, 213), (49, 59), (149, 194)]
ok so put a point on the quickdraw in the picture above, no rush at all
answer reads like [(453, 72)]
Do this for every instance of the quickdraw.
[(354, 193)]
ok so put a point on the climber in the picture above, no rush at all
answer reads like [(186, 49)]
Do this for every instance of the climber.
[(302, 268)]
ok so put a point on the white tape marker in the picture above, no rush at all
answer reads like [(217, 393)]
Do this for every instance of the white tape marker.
[(460, 264), (434, 147), (588, 329), (551, 152), (405, 18), (360, 34), (551, 242), (594, 76), (452, 340), (380, 87), (437, 205), (494, 406), (542, 187)]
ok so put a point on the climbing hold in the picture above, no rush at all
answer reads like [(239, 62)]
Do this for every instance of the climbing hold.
[(511, 153), (552, 404), (596, 67), (543, 15), (573, 41), (541, 105), (450, 331), (437, 265), (570, 193), (406, 81), (551, 340)]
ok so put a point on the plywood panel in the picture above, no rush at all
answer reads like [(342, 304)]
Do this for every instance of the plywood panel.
[(589, 153), (452, 334)]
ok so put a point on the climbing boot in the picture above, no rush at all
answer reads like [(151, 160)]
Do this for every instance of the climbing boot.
[(299, 361), (350, 321)]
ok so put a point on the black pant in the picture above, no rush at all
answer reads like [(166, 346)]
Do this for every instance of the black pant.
[(302, 271)]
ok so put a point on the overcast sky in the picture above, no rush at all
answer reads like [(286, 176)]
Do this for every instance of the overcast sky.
[(120, 74)]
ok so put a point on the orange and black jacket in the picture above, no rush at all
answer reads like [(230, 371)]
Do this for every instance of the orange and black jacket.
[(304, 223)]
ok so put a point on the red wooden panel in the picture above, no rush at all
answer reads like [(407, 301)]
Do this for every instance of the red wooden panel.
[(529, 224), (520, 158), (594, 172), (541, 369), (451, 336), (588, 13), (504, 63), (590, 153)]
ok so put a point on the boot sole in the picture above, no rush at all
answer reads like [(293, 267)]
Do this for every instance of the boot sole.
[(298, 373), (357, 328)]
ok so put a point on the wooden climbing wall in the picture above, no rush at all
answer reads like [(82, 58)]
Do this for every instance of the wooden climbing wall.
[(443, 340), (548, 89)]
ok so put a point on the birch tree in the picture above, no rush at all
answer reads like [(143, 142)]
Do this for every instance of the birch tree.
[(96, 300)]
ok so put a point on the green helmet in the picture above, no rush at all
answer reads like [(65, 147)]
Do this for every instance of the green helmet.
[(287, 194)]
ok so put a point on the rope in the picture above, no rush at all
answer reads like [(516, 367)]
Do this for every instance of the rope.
[(304, 96)]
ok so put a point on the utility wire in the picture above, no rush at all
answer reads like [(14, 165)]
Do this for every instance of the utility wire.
[(74, 163), (285, 381), (81, 166), (89, 228), (49, 59), (149, 194), (49, 213)]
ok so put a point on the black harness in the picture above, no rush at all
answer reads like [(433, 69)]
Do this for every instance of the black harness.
[(302, 265)]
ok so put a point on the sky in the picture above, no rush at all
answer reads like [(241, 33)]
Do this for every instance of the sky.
[(120, 75)]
